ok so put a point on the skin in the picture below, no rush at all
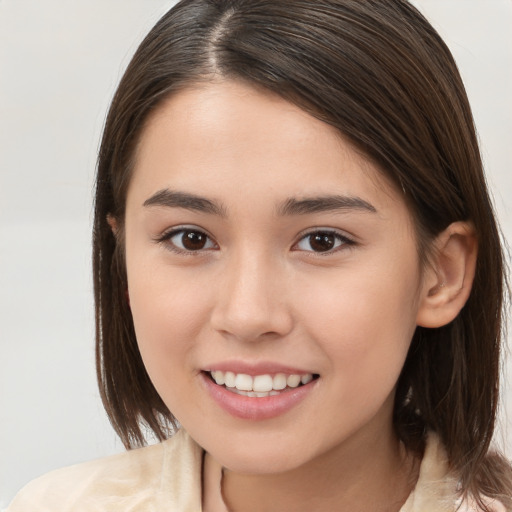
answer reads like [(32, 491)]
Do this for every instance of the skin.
[(257, 291)]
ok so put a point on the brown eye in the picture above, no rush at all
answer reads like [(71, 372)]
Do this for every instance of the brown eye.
[(322, 241), (190, 240), (193, 240)]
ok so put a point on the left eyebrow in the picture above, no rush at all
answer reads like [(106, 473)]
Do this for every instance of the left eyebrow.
[(294, 206)]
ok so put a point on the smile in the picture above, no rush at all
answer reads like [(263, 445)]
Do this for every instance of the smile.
[(258, 397), (259, 386)]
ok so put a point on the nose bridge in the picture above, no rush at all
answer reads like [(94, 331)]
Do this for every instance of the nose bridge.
[(252, 297)]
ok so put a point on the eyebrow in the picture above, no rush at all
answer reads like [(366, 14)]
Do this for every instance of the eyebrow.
[(174, 199), (292, 206), (328, 203)]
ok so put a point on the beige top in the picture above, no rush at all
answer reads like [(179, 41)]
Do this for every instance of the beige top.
[(168, 477)]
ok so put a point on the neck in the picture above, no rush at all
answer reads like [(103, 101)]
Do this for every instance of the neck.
[(368, 472)]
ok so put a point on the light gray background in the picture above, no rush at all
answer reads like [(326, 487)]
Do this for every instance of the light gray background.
[(60, 61)]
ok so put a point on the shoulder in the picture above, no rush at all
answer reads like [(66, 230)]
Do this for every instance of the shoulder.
[(141, 479)]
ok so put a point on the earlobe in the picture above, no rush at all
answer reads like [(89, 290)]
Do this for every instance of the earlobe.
[(112, 222), (448, 280)]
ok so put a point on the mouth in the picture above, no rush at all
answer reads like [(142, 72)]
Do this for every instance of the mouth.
[(259, 386)]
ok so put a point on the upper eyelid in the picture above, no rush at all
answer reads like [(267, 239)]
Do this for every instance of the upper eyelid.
[(334, 231), (185, 227), (303, 233)]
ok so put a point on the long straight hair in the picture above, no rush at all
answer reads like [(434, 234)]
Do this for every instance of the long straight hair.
[(379, 73)]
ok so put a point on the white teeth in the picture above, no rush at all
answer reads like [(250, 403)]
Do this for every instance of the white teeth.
[(293, 380), (218, 377), (262, 383), (252, 394), (229, 379), (243, 382), (279, 381), (259, 385), (306, 378)]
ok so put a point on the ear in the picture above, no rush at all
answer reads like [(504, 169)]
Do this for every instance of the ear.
[(448, 279), (112, 222)]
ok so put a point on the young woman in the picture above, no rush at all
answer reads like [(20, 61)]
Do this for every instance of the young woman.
[(298, 274)]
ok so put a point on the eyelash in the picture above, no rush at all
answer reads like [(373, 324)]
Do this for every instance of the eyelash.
[(340, 241)]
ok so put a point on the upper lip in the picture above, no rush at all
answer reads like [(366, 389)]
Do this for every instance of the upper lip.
[(256, 368)]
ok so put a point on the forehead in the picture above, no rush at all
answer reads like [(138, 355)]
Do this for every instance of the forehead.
[(217, 134)]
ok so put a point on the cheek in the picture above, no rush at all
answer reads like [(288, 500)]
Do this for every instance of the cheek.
[(165, 301), (167, 314), (364, 323)]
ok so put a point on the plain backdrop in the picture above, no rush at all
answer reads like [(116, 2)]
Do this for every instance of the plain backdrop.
[(60, 61)]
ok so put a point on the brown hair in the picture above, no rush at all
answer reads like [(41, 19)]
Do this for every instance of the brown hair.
[(378, 72)]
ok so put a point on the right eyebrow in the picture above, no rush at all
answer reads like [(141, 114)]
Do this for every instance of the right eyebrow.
[(176, 199)]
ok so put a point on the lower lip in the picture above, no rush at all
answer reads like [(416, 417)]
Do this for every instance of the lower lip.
[(256, 408)]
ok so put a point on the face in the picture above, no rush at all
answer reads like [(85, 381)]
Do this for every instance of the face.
[(265, 253)]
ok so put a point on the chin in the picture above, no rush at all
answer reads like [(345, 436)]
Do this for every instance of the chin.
[(262, 463), (261, 456)]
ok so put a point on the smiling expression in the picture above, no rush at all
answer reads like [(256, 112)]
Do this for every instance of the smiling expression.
[(264, 253)]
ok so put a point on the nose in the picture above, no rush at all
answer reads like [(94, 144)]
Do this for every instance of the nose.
[(252, 300)]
